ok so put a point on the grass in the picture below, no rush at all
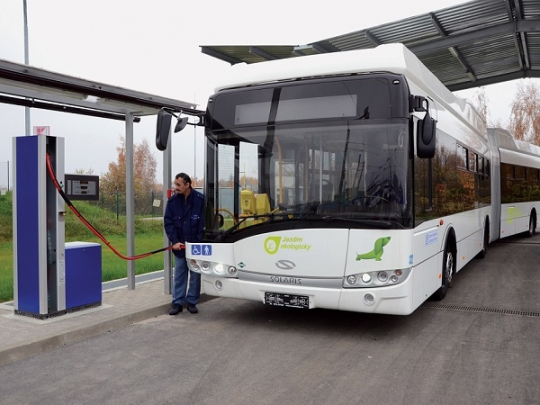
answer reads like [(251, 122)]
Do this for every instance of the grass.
[(6, 272), (148, 237)]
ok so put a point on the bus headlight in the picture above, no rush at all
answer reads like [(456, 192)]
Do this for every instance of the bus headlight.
[(380, 278), (218, 268)]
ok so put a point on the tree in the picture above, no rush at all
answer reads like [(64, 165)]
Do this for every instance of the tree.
[(480, 102), (525, 113), (83, 171), (197, 182), (144, 173)]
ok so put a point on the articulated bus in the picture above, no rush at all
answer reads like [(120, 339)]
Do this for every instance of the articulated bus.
[(353, 181)]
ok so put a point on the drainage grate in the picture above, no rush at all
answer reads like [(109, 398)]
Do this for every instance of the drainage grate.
[(481, 309)]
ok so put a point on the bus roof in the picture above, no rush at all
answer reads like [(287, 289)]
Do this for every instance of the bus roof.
[(395, 58), (514, 151)]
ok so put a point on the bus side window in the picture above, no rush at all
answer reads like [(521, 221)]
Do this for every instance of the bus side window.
[(507, 182), (481, 165), (485, 185), (520, 172), (461, 157), (473, 159)]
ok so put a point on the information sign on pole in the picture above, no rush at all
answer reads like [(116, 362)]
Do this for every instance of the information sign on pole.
[(42, 130)]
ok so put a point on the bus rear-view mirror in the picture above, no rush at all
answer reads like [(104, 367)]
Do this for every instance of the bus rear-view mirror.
[(425, 137), (180, 124), (163, 129)]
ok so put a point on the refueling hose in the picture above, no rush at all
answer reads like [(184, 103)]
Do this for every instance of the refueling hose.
[(90, 226)]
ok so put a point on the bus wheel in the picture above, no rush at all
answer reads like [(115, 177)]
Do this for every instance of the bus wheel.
[(532, 225), (485, 243), (447, 274)]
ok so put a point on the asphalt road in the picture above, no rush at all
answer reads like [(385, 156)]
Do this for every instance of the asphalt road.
[(481, 345)]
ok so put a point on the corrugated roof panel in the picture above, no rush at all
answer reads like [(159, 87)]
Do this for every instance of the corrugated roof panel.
[(410, 31), (356, 40), (447, 69), (533, 46), (490, 50), (472, 16), (531, 9)]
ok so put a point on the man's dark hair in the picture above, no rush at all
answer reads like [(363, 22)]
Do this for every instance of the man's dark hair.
[(184, 177)]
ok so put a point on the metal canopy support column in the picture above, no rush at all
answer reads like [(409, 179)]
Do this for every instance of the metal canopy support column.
[(130, 195), (167, 180)]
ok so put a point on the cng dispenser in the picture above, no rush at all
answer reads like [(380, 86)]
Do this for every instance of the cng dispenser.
[(46, 282)]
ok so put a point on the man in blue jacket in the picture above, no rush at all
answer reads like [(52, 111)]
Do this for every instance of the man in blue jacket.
[(184, 222)]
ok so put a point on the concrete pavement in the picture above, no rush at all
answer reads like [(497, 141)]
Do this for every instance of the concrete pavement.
[(23, 336)]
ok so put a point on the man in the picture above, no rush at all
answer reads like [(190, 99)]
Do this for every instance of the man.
[(183, 222)]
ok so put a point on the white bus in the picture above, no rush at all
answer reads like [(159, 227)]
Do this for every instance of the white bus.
[(350, 181)]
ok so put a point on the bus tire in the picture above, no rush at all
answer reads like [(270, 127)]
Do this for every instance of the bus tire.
[(448, 271), (485, 242), (532, 224)]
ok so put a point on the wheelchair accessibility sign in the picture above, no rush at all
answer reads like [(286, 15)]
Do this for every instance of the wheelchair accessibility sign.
[(201, 250)]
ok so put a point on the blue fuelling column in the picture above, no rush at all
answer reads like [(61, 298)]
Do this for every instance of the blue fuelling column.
[(45, 282)]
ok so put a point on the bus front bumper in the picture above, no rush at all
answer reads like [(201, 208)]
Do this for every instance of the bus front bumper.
[(394, 300)]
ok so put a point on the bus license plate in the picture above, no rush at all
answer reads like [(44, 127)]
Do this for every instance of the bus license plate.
[(286, 300)]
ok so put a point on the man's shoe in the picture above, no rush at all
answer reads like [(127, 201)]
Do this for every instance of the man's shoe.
[(175, 309), (192, 308)]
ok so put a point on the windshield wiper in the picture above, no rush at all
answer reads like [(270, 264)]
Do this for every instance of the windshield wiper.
[(231, 229), (243, 219)]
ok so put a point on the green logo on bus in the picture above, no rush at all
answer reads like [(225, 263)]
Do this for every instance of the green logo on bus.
[(271, 244), (377, 251)]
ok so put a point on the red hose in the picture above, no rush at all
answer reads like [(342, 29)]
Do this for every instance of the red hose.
[(90, 226)]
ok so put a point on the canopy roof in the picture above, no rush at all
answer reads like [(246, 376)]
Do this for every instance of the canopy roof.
[(32, 87), (473, 44)]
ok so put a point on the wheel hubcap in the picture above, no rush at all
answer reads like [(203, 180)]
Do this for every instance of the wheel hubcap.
[(449, 266)]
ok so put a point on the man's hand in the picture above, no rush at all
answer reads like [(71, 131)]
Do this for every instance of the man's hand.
[(178, 246)]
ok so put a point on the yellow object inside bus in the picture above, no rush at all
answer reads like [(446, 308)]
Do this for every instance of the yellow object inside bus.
[(254, 205)]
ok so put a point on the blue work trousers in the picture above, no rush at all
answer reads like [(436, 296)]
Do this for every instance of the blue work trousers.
[(180, 286)]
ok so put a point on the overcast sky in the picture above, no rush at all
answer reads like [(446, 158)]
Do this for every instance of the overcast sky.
[(154, 46)]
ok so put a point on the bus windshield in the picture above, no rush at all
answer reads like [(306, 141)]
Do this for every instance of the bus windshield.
[(341, 171), (349, 171)]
